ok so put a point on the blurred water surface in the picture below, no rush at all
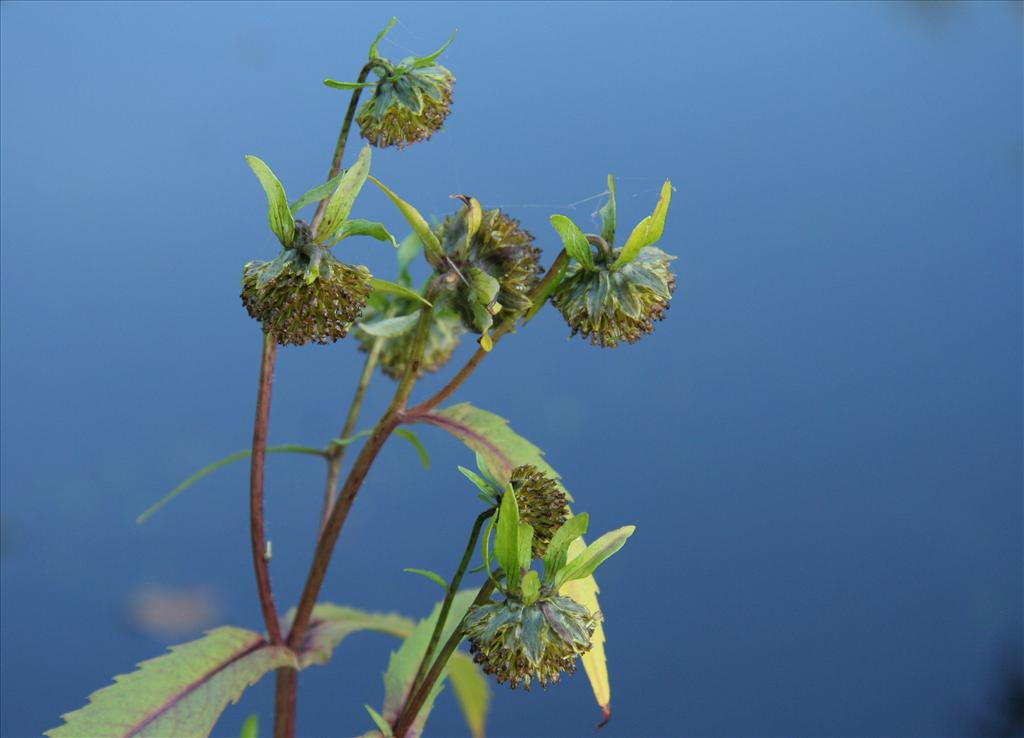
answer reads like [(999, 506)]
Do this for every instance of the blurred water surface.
[(821, 445)]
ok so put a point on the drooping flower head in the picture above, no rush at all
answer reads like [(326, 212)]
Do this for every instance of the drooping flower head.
[(609, 294), (410, 100), (306, 294)]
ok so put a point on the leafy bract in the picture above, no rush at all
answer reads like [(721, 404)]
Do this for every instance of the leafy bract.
[(380, 37), (419, 224), (181, 693), (586, 562), (506, 540), (556, 554), (360, 227), (340, 204), (317, 194), (608, 214), (574, 241), (391, 327), (431, 575), (281, 221), (382, 285), (648, 231)]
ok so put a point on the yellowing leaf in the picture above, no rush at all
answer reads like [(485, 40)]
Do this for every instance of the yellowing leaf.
[(584, 591)]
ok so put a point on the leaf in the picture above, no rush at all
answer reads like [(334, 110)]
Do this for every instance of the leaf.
[(251, 727), (556, 553), (237, 456), (587, 561), (181, 693), (404, 663), (426, 61), (331, 624), (481, 483), (380, 37), (348, 85), (281, 221), (419, 224), (648, 231), (391, 327), (396, 289), (317, 193), (531, 587), (408, 250), (524, 554), (608, 214), (351, 439), (585, 591), (340, 204), (431, 575), (471, 690), (575, 243), (382, 725), (506, 541), (414, 439), (360, 227)]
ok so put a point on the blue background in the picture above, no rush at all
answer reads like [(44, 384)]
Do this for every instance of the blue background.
[(821, 445)]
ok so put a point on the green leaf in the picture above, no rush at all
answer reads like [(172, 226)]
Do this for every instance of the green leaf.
[(408, 250), (506, 542), (380, 37), (348, 85), (584, 591), (360, 227), (251, 727), (351, 439), (481, 483), (404, 664), (382, 725), (317, 194), (340, 204), (584, 564), (209, 468), (648, 231), (426, 61), (608, 215), (396, 289), (281, 221), (555, 554), (471, 690), (575, 243), (391, 327), (531, 587), (182, 693), (431, 575), (539, 300), (414, 439), (524, 555), (419, 224)]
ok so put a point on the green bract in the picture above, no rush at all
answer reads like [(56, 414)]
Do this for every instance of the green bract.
[(615, 294), (396, 334)]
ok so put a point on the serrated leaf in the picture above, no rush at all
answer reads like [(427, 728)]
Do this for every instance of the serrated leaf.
[(506, 540), (391, 327), (380, 37), (182, 693), (251, 727), (587, 561), (317, 194), (431, 575), (585, 592), (340, 204), (404, 663), (556, 554), (281, 221), (608, 214), (382, 725), (573, 240), (360, 227), (648, 231), (338, 85), (530, 587), (419, 224), (210, 468), (396, 289), (414, 439), (471, 690), (426, 61)]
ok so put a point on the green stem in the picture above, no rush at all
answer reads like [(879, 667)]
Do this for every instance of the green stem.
[(453, 588), (415, 704), (337, 451)]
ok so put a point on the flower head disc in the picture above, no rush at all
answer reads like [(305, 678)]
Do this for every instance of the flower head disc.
[(612, 305), (409, 104), (542, 504), (520, 644)]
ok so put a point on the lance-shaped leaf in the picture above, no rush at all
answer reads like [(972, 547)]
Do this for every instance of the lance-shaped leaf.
[(380, 722), (585, 591), (483, 293), (408, 250), (506, 539), (251, 727), (431, 575), (574, 241), (391, 327), (340, 204), (531, 587), (417, 444), (382, 285), (281, 221), (360, 227), (648, 231), (380, 37), (431, 245), (338, 85), (318, 193), (426, 61), (608, 215), (557, 551), (586, 562), (182, 693)]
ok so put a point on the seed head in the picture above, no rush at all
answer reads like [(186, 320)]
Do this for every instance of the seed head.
[(408, 105), (542, 504)]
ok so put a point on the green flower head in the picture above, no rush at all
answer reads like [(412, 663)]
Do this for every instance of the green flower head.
[(542, 504), (608, 294)]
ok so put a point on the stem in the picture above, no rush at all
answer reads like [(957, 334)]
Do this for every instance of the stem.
[(596, 240), (453, 588), (339, 149), (415, 704), (284, 702), (388, 422), (337, 453), (540, 291), (257, 525)]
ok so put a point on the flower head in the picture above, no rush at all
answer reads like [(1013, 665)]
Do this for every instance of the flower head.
[(542, 504), (610, 295), (445, 331)]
